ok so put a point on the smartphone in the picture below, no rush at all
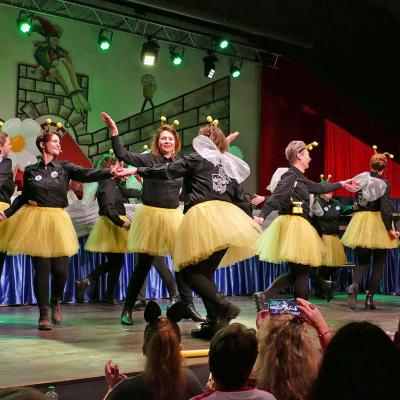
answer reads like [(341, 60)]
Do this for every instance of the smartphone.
[(284, 307)]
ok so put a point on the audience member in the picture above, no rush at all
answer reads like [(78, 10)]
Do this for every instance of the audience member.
[(361, 362), (164, 376), (233, 351)]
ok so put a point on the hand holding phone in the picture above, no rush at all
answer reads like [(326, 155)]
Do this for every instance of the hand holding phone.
[(284, 306)]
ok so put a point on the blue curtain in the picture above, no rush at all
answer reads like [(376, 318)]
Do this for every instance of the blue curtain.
[(243, 278)]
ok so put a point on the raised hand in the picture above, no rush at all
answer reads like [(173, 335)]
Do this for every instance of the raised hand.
[(111, 125), (112, 374), (123, 172), (232, 136)]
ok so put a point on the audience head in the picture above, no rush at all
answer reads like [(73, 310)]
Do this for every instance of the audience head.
[(163, 371), (288, 359), (360, 362), (233, 352), (21, 393)]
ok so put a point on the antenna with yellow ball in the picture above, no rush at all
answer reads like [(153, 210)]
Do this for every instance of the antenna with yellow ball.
[(311, 145)]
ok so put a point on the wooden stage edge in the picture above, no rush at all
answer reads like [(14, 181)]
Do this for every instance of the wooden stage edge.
[(91, 334)]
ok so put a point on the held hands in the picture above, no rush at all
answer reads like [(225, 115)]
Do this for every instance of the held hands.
[(232, 136), (394, 234), (126, 225), (112, 374), (122, 173), (2, 216), (111, 125), (257, 199), (351, 185), (259, 220)]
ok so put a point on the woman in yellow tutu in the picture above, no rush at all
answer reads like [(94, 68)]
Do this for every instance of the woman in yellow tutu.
[(370, 230), (40, 227), (214, 231), (7, 185), (327, 211), (155, 224), (291, 237), (110, 232)]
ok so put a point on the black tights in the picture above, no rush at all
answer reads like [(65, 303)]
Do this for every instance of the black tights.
[(58, 268), (113, 266), (143, 264), (2, 260), (199, 277), (298, 275), (364, 259)]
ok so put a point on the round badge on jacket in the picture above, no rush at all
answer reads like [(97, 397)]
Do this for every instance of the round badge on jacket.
[(38, 177), (54, 174)]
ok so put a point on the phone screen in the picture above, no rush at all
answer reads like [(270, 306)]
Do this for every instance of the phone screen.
[(284, 307)]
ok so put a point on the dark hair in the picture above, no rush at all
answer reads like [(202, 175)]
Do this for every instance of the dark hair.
[(216, 135), (164, 373), (44, 137), (233, 352), (21, 393), (361, 362), (378, 162), (3, 137), (155, 150)]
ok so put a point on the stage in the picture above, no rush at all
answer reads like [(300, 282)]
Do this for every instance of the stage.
[(75, 353)]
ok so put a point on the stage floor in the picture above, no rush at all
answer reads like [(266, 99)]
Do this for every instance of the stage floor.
[(91, 335)]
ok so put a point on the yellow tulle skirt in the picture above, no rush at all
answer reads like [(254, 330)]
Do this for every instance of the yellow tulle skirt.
[(212, 226), (39, 232), (366, 229), (293, 239), (106, 237), (153, 230), (333, 255), (3, 206)]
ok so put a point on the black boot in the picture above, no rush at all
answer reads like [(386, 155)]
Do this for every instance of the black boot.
[(352, 292), (327, 289), (191, 313), (126, 315), (225, 310), (261, 301), (80, 287), (207, 329), (44, 319), (56, 313), (369, 302), (139, 305)]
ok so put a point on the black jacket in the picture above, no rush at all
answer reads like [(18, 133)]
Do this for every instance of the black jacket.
[(7, 185), (294, 186)]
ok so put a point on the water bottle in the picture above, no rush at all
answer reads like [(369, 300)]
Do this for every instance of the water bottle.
[(51, 393)]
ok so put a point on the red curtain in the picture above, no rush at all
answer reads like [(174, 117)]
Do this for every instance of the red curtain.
[(347, 156), (297, 106)]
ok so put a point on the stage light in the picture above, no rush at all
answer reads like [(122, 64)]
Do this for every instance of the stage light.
[(176, 56), (235, 69), (209, 65), (150, 51), (105, 39), (24, 22), (223, 43)]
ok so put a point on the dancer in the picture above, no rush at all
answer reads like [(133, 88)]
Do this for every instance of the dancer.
[(326, 215), (7, 185), (370, 230), (213, 231), (155, 224), (41, 228), (291, 237), (110, 232)]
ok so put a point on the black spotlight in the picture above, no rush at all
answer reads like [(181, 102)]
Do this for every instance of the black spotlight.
[(209, 65), (150, 51)]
